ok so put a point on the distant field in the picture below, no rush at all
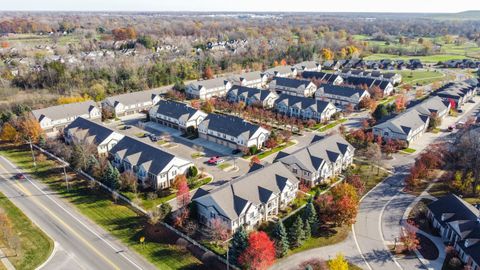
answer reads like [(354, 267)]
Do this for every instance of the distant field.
[(420, 77), (425, 59)]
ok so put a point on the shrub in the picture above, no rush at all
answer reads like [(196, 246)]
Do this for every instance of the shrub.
[(192, 171)]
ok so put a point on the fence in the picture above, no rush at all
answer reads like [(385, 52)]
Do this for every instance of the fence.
[(136, 207)]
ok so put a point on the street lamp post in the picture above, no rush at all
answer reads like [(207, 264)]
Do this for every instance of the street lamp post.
[(33, 155)]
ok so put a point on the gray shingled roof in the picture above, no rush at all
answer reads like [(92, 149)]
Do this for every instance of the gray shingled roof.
[(344, 91), (256, 187), (65, 110), (153, 159), (302, 102), (91, 131), (290, 83), (173, 109), (324, 150), (133, 97), (248, 92), (230, 125), (212, 83), (307, 65), (403, 123), (249, 76)]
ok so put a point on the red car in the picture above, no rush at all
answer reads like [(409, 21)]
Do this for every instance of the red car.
[(213, 160), (20, 176)]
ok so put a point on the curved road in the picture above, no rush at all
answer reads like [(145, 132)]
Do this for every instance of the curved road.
[(79, 243)]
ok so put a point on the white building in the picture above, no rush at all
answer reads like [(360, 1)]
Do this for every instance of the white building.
[(131, 103), (248, 200), (208, 88), (176, 115), (324, 158), (294, 87), (305, 108), (232, 132), (252, 96), (254, 79), (53, 119), (341, 95)]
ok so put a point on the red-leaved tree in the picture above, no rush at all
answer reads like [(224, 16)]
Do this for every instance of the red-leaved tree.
[(260, 253)]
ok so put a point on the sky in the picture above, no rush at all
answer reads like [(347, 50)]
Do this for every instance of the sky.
[(245, 5)]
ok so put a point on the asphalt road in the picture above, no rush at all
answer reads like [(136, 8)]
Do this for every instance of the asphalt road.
[(79, 243)]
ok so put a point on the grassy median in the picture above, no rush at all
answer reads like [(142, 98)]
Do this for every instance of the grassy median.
[(35, 246), (116, 218)]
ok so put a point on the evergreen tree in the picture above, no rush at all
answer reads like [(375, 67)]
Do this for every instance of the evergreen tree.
[(307, 231), (280, 237), (111, 177), (296, 234), (238, 245), (310, 216)]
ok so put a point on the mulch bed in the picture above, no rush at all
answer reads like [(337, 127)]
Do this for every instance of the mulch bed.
[(427, 248)]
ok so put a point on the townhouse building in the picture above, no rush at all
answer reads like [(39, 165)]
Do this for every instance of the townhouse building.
[(341, 95), (413, 123), (53, 119), (458, 223), (152, 166), (131, 103), (385, 85), (308, 66), (394, 78), (207, 89), (254, 79), (232, 132), (85, 131), (458, 92), (305, 108), (282, 71), (329, 78), (249, 200), (252, 96), (294, 87), (323, 159), (176, 115)]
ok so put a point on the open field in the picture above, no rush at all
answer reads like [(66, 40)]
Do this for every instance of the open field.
[(420, 77), (427, 59), (116, 218), (35, 245)]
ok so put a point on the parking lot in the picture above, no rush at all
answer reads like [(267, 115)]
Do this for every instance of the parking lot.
[(170, 140)]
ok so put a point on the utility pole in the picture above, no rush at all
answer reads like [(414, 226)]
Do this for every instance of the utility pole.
[(33, 154), (66, 177)]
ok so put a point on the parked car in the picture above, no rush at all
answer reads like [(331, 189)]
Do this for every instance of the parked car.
[(153, 137), (219, 161), (460, 111), (19, 176), (236, 151), (127, 127), (213, 160), (460, 124)]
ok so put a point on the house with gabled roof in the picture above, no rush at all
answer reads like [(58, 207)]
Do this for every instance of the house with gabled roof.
[(131, 103), (254, 79), (341, 95), (176, 115), (329, 78), (458, 223), (153, 166), (308, 66), (324, 158), (305, 108), (252, 96), (85, 131), (282, 71), (207, 89), (249, 200), (294, 87), (233, 132), (53, 119), (458, 92)]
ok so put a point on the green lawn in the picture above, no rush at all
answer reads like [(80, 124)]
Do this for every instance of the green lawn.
[(420, 76), (426, 59), (332, 125), (118, 219), (326, 237), (275, 150), (370, 174), (35, 245), (409, 150), (224, 165)]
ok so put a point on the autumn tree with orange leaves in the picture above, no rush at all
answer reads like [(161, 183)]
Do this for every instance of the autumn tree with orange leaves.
[(260, 253)]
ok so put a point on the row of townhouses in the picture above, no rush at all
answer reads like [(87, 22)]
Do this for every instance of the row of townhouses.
[(259, 195), (459, 92), (226, 130), (413, 123), (248, 200), (394, 78), (458, 223), (324, 158), (153, 167)]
